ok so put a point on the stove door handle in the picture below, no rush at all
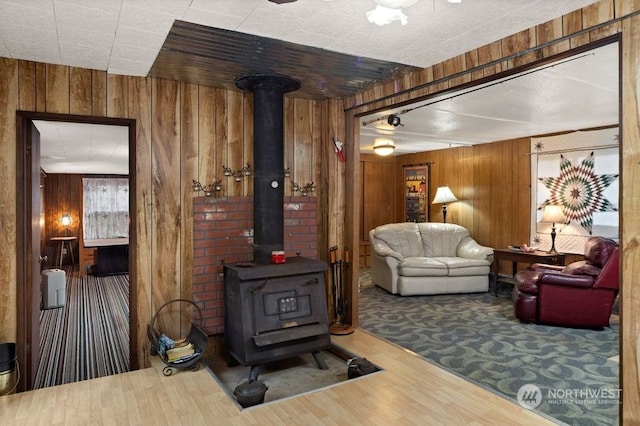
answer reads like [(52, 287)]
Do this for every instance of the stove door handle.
[(312, 282)]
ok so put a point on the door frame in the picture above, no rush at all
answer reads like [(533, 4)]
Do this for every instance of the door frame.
[(26, 294)]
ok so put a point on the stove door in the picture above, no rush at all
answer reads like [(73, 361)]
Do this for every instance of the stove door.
[(287, 302)]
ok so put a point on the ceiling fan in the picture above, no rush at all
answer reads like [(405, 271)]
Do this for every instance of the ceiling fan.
[(282, 1)]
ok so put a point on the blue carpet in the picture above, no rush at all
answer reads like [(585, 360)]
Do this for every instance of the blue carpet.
[(477, 336)]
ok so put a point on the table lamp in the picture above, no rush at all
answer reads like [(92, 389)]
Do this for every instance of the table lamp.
[(444, 196), (553, 214)]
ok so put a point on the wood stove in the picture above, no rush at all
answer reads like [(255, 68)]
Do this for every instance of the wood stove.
[(275, 311), (272, 311)]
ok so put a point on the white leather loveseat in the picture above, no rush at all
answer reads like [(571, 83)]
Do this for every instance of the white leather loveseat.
[(428, 258)]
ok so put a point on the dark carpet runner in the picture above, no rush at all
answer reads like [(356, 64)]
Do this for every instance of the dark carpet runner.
[(89, 336)]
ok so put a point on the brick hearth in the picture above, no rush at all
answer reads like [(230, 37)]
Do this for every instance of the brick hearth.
[(222, 233)]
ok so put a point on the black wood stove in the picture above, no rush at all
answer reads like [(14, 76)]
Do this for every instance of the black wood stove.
[(275, 311), (272, 311)]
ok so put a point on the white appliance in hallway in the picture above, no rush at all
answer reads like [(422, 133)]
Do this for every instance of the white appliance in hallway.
[(53, 288)]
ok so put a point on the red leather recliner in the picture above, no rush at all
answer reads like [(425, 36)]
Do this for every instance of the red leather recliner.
[(581, 294)]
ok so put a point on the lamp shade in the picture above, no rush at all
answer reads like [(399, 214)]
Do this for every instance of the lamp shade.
[(443, 195), (552, 214), (383, 146)]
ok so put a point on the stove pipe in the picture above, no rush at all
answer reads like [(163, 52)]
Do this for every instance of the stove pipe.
[(268, 159)]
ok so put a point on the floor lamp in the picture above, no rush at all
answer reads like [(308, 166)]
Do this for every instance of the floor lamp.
[(444, 196), (553, 214)]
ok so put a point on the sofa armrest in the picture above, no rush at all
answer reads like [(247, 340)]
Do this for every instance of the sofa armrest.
[(470, 249), (384, 250)]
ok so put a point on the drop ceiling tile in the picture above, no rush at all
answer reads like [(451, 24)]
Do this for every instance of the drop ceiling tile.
[(128, 67), (85, 56), (85, 26), (213, 19), (152, 21), (107, 6), (3, 49), (20, 21), (45, 52), (229, 8), (176, 8)]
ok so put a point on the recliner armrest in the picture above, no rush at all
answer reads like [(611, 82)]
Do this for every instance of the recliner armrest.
[(566, 280), (542, 267)]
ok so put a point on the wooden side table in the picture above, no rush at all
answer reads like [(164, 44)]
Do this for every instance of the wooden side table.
[(60, 253), (519, 257)]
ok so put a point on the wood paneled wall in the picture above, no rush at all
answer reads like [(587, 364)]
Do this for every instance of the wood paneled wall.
[(62, 194), (492, 183), (184, 132), (379, 193), (590, 24)]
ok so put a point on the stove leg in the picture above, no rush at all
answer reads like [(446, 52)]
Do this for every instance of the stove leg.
[(253, 373), (322, 365)]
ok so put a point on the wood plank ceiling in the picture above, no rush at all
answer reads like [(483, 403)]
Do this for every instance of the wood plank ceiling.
[(216, 57)]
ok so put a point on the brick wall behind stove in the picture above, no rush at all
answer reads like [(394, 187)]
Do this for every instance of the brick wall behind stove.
[(222, 233)]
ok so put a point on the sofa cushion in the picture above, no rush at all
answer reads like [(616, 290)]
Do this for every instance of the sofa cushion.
[(461, 267), (441, 239), (401, 237), (421, 267)]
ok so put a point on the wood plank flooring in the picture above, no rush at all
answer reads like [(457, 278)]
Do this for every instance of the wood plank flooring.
[(410, 391)]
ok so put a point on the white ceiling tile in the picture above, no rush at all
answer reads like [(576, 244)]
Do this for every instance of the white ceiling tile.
[(212, 19), (153, 21), (86, 56), (4, 51), (107, 6), (128, 67), (176, 8), (85, 26), (44, 52), (235, 8)]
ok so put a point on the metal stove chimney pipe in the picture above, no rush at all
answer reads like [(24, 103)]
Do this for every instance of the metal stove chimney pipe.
[(268, 159)]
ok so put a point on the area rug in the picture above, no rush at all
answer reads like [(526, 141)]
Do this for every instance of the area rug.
[(284, 378), (476, 336), (88, 337)]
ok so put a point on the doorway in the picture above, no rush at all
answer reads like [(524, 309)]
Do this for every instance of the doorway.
[(29, 227)]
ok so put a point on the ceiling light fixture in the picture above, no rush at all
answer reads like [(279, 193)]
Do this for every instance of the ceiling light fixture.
[(388, 11), (383, 146)]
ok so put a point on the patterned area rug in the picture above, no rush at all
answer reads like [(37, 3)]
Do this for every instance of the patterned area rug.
[(476, 336), (88, 337)]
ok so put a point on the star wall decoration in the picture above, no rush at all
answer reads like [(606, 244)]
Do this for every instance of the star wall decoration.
[(579, 191)]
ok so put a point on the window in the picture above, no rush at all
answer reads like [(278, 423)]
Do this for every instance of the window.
[(106, 207)]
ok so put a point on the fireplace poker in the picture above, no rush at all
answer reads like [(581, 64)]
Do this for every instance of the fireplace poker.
[(337, 267)]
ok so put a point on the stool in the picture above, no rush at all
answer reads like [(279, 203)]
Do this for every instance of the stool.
[(60, 253)]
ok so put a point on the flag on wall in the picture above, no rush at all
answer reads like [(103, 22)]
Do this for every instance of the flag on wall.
[(578, 171)]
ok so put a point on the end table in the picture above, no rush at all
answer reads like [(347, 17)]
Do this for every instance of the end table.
[(516, 257)]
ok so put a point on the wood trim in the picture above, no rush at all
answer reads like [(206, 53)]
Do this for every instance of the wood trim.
[(23, 259)]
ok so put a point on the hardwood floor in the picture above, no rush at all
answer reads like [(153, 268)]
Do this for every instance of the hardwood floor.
[(410, 391)]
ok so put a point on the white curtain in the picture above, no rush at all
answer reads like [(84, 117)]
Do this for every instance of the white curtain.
[(106, 207)]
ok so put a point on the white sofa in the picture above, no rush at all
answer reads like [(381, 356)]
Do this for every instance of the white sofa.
[(428, 258)]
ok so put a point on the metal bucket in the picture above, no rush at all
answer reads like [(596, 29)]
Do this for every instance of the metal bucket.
[(9, 374)]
